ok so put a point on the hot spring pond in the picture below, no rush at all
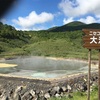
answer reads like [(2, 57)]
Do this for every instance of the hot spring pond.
[(42, 67)]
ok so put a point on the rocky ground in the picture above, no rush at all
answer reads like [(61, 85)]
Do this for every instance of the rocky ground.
[(15, 88), (22, 88)]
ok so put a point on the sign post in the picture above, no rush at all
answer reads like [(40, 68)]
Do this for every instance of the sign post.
[(92, 41), (89, 73), (99, 77)]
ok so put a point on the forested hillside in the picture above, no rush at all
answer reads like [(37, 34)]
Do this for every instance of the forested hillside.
[(43, 43), (11, 39)]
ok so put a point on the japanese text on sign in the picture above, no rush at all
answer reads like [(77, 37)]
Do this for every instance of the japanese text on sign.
[(94, 39), (91, 39)]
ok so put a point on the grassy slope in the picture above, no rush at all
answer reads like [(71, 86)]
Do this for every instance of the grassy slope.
[(43, 43), (58, 44)]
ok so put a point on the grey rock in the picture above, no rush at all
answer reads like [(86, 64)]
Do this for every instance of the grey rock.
[(85, 87), (27, 96), (91, 82), (18, 89), (69, 87), (41, 94), (52, 92), (5, 98), (57, 88), (85, 80), (32, 93), (2, 94), (57, 95), (17, 97), (47, 95), (35, 98), (64, 89), (37, 92), (62, 94)]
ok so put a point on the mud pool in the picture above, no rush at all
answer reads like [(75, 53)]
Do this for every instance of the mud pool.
[(42, 67)]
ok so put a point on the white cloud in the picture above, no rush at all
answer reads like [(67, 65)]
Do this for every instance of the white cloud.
[(39, 28), (76, 8), (32, 28), (57, 14), (32, 19), (88, 20), (98, 15), (65, 21), (23, 29)]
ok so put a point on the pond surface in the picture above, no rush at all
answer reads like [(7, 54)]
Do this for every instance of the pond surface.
[(42, 67)]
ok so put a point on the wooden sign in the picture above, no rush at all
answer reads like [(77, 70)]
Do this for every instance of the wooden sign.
[(92, 41), (91, 38)]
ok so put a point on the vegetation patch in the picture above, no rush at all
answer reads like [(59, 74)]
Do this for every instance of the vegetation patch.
[(67, 44)]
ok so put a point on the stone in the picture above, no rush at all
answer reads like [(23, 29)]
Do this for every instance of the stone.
[(4, 98), (64, 89), (85, 80), (52, 92), (61, 94), (91, 82), (85, 87), (82, 87), (37, 91), (60, 91), (10, 94), (47, 95), (35, 98), (57, 95), (96, 77), (57, 88), (69, 87), (18, 89), (41, 93), (32, 93), (4, 95), (0, 93), (27, 96), (93, 79), (17, 97)]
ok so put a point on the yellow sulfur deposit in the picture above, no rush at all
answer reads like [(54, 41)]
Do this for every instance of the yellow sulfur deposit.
[(3, 65)]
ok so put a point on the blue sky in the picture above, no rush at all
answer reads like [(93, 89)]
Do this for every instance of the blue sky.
[(44, 14)]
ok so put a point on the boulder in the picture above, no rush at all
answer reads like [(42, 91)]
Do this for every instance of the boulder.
[(57, 95), (47, 95), (64, 89), (32, 93)]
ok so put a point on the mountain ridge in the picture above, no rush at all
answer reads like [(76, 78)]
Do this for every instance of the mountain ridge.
[(74, 26)]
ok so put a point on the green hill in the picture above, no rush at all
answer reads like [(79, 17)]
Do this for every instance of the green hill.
[(75, 23), (59, 43), (11, 39), (73, 26)]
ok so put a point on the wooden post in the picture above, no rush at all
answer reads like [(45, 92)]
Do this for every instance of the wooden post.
[(99, 77), (89, 73)]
